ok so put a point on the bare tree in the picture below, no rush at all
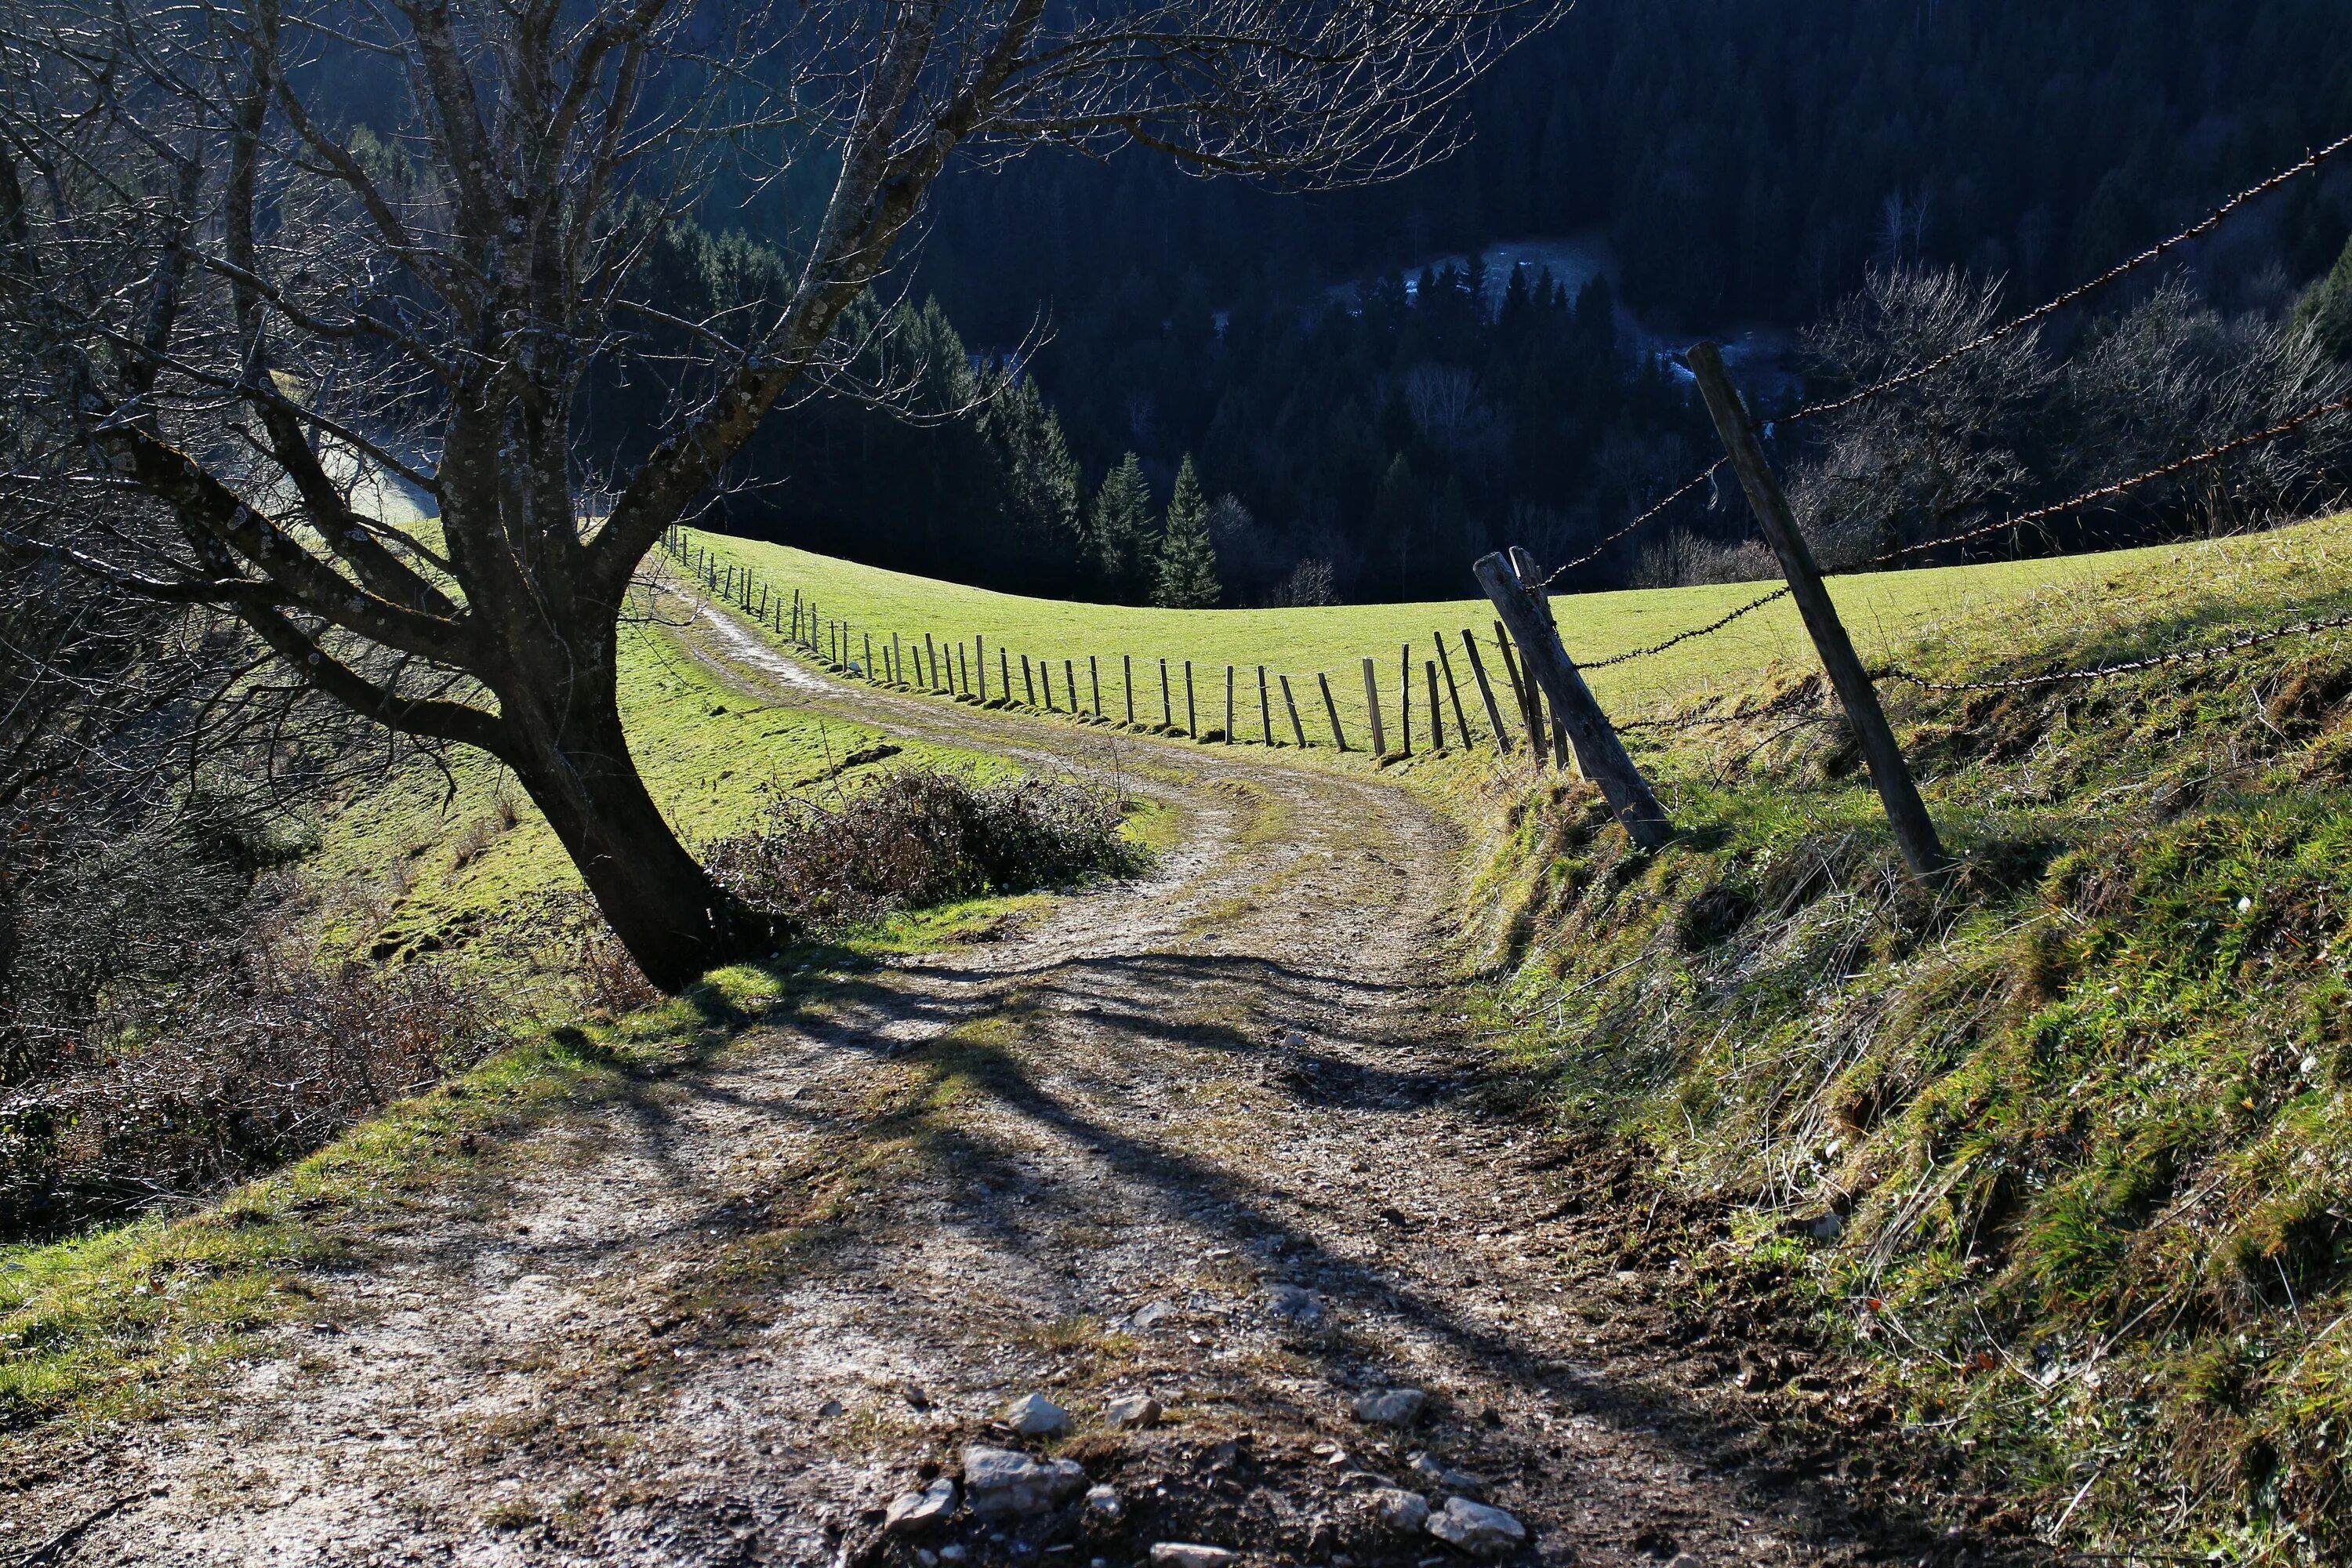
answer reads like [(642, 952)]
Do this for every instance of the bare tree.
[(1917, 463), (2172, 377), (268, 272)]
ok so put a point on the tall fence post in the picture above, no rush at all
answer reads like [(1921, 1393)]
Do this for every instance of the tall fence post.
[(1070, 675), (1524, 566), (1523, 687), (1191, 723), (1598, 749), (1914, 828), (1265, 713), (1372, 700), (1229, 705), (1437, 714), (1487, 690), (1404, 697), (1167, 709), (1094, 679), (1338, 736), (1453, 691), (1127, 678)]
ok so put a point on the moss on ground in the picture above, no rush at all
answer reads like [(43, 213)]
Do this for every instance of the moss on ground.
[(2060, 1146)]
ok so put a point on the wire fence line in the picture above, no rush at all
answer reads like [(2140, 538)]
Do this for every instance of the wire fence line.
[(2126, 667), (2310, 163), (1202, 700), (2076, 295), (1691, 635)]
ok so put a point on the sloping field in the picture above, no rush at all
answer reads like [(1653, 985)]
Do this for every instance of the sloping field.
[(1884, 610)]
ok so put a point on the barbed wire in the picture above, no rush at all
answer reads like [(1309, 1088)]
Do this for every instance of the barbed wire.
[(1680, 638), (1800, 696), (2129, 666), (2108, 492), (1657, 510), (2073, 296)]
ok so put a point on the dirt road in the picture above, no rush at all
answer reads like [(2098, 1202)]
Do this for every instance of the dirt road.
[(1209, 1138)]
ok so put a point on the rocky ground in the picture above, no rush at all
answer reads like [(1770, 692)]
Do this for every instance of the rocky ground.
[(1178, 1221)]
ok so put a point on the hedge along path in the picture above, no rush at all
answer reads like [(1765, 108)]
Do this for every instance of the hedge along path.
[(910, 619)]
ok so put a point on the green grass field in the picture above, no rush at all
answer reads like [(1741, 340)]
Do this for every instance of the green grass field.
[(1883, 611)]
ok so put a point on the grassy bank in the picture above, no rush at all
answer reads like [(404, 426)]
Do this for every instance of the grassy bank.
[(2061, 1149)]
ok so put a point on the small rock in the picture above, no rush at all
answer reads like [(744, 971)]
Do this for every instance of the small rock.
[(1104, 1503), (1440, 1479), (1401, 1510), (1035, 1415), (1296, 1304), (1295, 1040), (1475, 1528), (1131, 1411), (1391, 1406), (1151, 1313), (1001, 1483), (913, 1510), (830, 1409), (1185, 1554)]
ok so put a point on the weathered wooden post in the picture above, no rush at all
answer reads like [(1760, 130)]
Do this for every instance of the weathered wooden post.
[(1229, 705), (1298, 727), (1069, 675), (1437, 715), (1372, 700), (1598, 749), (1404, 697), (1094, 679), (1029, 685), (1487, 690), (1167, 709), (1914, 830), (1530, 700), (1330, 708), (1453, 690), (1126, 665), (1192, 721), (871, 679)]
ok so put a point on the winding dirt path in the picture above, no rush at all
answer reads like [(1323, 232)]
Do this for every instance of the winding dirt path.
[(1209, 1137)]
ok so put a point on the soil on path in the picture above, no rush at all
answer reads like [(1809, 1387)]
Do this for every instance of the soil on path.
[(1214, 1137)]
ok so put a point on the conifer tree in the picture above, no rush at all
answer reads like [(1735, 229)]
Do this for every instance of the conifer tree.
[(1122, 526), (1187, 577)]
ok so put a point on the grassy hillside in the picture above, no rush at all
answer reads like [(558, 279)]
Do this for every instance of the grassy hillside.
[(1884, 610), (2060, 1149)]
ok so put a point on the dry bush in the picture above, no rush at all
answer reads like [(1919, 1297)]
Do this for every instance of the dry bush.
[(922, 835), (259, 1062)]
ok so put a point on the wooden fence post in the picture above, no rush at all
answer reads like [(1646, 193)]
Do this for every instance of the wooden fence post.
[(1530, 700), (1914, 828), (1372, 700), (1404, 697), (1028, 685), (1437, 714), (1524, 566), (1598, 749), (870, 679), (1487, 690), (1453, 690), (1229, 705), (1192, 721), (1094, 679), (980, 658), (1298, 729), (1069, 675), (1167, 709), (931, 658), (1126, 665), (1265, 713), (1330, 708)]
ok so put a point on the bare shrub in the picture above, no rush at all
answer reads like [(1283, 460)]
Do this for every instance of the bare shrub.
[(922, 835), (1680, 558), (258, 1062)]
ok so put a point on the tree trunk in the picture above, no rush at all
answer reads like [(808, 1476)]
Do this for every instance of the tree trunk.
[(662, 906)]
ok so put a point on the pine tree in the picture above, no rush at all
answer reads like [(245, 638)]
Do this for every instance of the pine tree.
[(1187, 577), (1120, 527)]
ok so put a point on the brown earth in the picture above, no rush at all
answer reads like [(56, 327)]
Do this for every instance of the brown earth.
[(729, 1320)]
